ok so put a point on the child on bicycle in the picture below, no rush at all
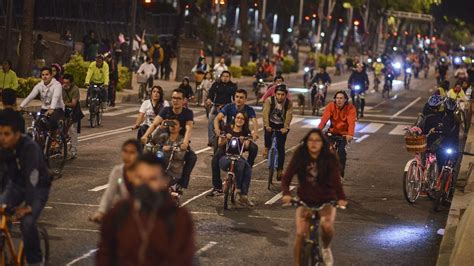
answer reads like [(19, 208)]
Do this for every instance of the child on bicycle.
[(319, 179)]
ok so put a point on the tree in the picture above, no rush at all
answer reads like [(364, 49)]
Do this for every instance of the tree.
[(26, 45), (244, 32)]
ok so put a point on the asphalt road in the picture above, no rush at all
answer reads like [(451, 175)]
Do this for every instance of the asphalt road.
[(378, 228)]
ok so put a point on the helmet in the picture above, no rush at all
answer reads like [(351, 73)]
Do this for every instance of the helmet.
[(435, 101), (450, 104), (343, 93)]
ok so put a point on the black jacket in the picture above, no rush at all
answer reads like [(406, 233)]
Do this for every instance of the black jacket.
[(222, 93), (360, 78), (324, 77)]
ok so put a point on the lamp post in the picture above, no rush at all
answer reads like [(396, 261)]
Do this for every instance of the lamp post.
[(217, 3)]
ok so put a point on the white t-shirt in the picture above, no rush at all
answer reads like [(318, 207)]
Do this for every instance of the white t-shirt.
[(147, 109)]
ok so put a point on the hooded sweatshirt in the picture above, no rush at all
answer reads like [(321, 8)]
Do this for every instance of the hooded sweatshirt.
[(51, 95)]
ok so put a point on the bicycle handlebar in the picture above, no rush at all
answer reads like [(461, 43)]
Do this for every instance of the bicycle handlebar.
[(297, 202)]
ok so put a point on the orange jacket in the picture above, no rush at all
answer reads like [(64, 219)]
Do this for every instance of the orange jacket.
[(342, 120)]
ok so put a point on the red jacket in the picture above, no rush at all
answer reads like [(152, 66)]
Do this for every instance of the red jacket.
[(342, 120)]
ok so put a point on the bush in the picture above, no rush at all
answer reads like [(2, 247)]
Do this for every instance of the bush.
[(288, 63), (77, 67), (236, 71), (326, 60), (250, 69), (25, 86)]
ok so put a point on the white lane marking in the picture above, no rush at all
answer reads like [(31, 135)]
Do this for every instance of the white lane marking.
[(390, 116), (75, 229), (311, 123), (104, 132), (371, 128), (99, 188), (72, 204), (362, 138), (85, 256), (377, 105), (203, 150), (206, 248), (122, 111), (277, 197), (196, 197), (108, 134), (406, 107), (398, 130)]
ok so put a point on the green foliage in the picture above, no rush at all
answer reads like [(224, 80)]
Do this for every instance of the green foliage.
[(77, 67), (250, 69), (25, 86), (124, 78), (326, 60), (236, 71), (288, 63)]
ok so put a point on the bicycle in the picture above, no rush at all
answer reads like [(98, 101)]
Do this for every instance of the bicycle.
[(53, 143), (11, 255), (143, 93), (311, 253), (408, 73), (272, 159), (358, 96), (387, 87), (444, 183), (317, 99), (230, 182), (461, 114), (95, 106), (376, 81)]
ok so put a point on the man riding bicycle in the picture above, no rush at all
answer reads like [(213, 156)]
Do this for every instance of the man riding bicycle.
[(323, 77), (358, 84), (342, 116), (378, 67), (277, 115), (29, 182), (98, 74)]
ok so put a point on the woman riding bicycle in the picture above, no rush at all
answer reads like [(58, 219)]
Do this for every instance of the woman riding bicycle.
[(319, 179), (243, 172), (149, 110)]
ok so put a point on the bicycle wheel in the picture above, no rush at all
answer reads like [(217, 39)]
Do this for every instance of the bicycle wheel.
[(99, 113), (306, 249), (411, 182), (92, 114), (227, 191), (431, 182), (56, 154), (440, 192), (271, 166), (232, 193)]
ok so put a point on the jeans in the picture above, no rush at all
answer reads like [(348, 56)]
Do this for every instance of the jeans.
[(211, 138), (53, 120), (341, 152), (242, 171), (74, 135), (142, 130), (280, 141), (13, 197), (189, 162)]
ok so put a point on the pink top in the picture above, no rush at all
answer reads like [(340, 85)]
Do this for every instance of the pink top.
[(271, 92)]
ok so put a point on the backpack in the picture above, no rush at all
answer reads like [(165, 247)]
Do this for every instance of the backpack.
[(156, 53), (285, 107)]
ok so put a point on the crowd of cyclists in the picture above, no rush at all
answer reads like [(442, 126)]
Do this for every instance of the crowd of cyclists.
[(156, 166)]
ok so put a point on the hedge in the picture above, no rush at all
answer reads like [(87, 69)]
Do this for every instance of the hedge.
[(326, 60), (250, 69), (236, 71), (77, 67), (25, 86), (288, 64)]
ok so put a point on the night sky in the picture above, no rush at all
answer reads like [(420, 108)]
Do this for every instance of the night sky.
[(462, 9)]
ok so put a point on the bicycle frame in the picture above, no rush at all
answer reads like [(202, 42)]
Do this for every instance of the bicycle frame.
[(273, 163), (17, 255)]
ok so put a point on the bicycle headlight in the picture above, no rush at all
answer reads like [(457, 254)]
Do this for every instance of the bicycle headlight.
[(457, 60), (409, 70), (160, 154), (449, 151), (260, 80), (369, 60), (233, 143), (306, 69), (357, 87), (397, 65), (321, 86)]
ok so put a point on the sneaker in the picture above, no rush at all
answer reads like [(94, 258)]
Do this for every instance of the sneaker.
[(73, 155), (327, 257), (244, 200), (215, 192)]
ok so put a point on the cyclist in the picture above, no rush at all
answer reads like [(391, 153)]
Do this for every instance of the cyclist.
[(71, 98), (148, 70), (389, 72), (149, 110), (221, 93), (185, 117), (30, 182), (321, 76), (461, 73), (148, 228), (243, 171), (378, 67), (450, 132), (431, 119), (359, 77), (50, 92), (120, 179), (443, 89), (342, 116), (10, 105), (229, 112), (470, 75), (319, 182), (277, 115), (98, 74), (456, 93), (442, 69), (271, 89)]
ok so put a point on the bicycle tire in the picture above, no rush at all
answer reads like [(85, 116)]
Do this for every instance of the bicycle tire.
[(61, 142), (226, 193), (440, 192), (92, 115), (232, 194), (431, 182), (100, 111), (271, 165), (411, 183)]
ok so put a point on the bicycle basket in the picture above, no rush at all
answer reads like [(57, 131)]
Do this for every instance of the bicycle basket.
[(415, 143), (141, 78)]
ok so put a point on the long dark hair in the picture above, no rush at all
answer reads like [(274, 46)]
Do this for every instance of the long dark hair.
[(327, 161), (245, 127), (160, 91)]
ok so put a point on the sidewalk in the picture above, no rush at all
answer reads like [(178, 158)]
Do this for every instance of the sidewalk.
[(457, 245)]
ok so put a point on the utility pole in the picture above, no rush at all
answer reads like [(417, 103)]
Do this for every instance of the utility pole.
[(8, 29), (300, 16), (264, 9), (133, 17), (216, 27)]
